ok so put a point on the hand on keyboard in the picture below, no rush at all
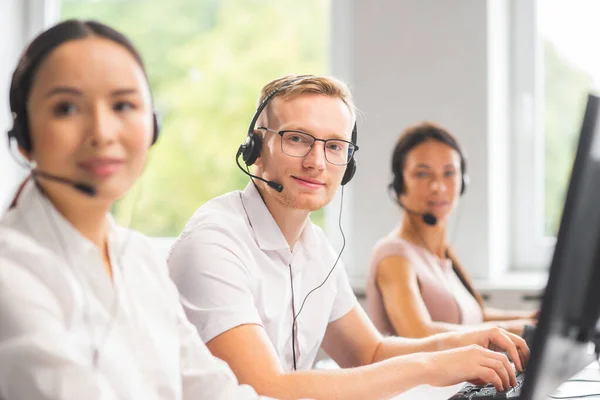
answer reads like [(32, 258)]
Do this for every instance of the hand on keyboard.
[(477, 392), (496, 339), (472, 364)]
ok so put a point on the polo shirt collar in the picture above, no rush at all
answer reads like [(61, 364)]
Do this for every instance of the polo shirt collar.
[(266, 231)]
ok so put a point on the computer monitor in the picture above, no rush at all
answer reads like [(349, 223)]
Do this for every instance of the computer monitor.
[(571, 303)]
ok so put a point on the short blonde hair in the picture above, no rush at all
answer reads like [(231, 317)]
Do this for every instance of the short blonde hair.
[(326, 85)]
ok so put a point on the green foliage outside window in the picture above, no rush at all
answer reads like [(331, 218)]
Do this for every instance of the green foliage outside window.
[(565, 93), (207, 61)]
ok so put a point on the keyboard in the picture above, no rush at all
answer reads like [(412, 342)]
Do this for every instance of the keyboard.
[(479, 392)]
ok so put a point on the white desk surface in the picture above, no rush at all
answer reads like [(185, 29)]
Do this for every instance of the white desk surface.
[(566, 389)]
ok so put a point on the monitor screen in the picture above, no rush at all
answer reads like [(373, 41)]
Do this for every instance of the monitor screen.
[(570, 306)]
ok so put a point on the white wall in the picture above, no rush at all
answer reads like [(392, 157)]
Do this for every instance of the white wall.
[(411, 60), (13, 33)]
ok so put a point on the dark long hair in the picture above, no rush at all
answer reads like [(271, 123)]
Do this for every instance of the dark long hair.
[(39, 49)]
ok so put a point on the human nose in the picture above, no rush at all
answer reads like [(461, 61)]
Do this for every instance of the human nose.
[(102, 129), (439, 185), (316, 156)]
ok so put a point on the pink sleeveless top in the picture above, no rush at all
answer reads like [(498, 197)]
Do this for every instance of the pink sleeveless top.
[(446, 298)]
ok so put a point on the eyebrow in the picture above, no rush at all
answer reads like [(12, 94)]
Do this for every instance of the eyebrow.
[(71, 90), (120, 92), (336, 136), (428, 167), (63, 89)]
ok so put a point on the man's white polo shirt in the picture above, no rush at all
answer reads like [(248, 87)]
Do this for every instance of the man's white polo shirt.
[(232, 267)]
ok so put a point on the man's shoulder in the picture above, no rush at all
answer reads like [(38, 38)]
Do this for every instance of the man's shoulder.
[(222, 210), (221, 218)]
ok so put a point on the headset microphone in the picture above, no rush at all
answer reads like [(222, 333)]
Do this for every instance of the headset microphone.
[(273, 185), (79, 186), (427, 218)]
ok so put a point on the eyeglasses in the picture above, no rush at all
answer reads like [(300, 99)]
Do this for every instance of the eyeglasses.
[(299, 144)]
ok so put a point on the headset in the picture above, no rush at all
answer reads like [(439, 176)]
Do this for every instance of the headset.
[(250, 149)]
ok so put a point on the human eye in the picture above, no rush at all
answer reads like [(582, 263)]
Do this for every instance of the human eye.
[(297, 138), (64, 108), (336, 146), (122, 106)]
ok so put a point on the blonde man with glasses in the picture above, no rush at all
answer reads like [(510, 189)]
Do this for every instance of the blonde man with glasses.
[(266, 290)]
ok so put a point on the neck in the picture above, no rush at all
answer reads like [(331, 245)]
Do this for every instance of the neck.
[(88, 216), (291, 222), (433, 238)]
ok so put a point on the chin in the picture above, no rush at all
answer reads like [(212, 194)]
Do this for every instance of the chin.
[(302, 201), (309, 206), (310, 203)]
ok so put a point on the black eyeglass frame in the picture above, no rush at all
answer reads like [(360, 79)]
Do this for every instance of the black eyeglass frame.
[(352, 147)]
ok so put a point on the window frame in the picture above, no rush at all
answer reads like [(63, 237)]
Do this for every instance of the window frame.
[(531, 248)]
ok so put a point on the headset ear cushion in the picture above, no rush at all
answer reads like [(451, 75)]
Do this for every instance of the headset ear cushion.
[(251, 149), (464, 184), (20, 136), (155, 127), (398, 184), (350, 171)]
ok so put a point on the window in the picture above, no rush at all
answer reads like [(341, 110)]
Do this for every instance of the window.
[(555, 67), (206, 60)]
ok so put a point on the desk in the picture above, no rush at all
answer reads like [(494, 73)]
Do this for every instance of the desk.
[(566, 389)]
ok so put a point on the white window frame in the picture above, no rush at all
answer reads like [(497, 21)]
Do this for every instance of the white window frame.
[(40, 15), (25, 19), (531, 248)]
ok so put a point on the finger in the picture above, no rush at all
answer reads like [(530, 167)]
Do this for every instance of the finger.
[(500, 369), (478, 382), (508, 342), (521, 346), (490, 375), (507, 367), (524, 357)]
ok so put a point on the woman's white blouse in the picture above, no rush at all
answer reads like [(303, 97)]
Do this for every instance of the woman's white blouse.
[(67, 331)]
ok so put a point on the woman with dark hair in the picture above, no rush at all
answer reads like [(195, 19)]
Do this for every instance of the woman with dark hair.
[(416, 285), (87, 311)]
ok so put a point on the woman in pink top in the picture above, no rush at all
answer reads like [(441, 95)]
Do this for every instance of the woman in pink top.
[(416, 286)]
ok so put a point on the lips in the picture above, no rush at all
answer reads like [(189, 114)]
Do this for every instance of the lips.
[(101, 167), (309, 182), (437, 204)]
